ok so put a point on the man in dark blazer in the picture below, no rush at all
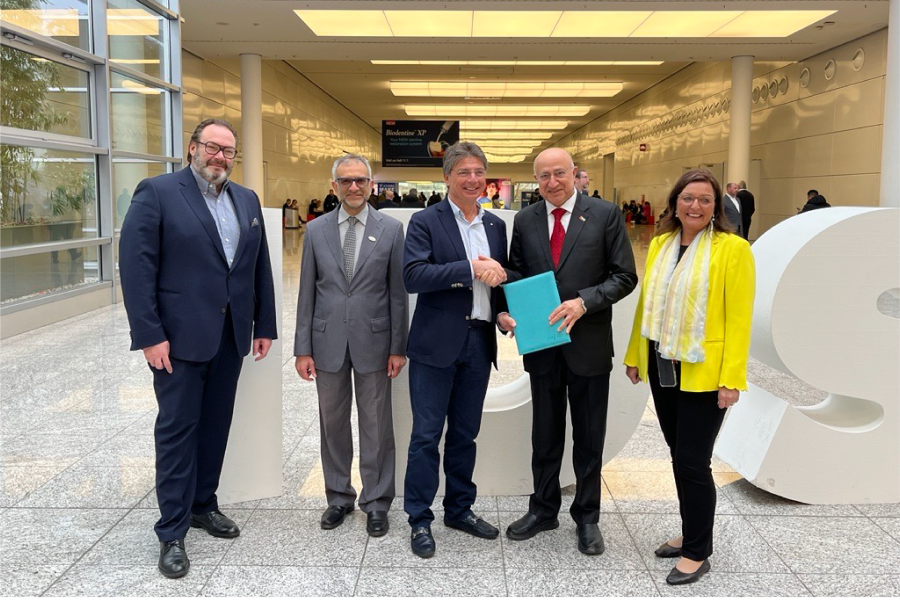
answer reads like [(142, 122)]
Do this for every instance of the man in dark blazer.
[(388, 201), (748, 207), (454, 258), (330, 202), (584, 242), (198, 291), (352, 320), (733, 208), (411, 200)]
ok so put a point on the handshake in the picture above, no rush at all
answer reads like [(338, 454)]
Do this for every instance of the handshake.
[(488, 271)]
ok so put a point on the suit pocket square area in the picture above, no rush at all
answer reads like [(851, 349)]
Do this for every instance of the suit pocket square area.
[(255, 222)]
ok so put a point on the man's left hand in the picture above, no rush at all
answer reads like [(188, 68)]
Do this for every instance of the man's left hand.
[(261, 348), (569, 311), (395, 365)]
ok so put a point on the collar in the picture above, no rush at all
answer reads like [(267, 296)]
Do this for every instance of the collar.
[(205, 186), (568, 205), (361, 217), (458, 214)]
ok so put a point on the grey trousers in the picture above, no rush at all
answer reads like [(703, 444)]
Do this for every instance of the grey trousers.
[(377, 454)]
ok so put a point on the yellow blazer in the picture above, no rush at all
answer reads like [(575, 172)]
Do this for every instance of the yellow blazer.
[(729, 312)]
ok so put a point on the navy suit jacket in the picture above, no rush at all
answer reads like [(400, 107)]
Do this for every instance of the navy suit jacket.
[(436, 267), (176, 282)]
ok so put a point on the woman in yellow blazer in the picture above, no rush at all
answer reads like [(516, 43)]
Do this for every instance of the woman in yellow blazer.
[(690, 342)]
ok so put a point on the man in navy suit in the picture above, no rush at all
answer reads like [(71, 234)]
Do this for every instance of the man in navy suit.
[(454, 258), (197, 285)]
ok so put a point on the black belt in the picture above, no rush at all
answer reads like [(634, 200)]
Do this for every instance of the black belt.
[(477, 324)]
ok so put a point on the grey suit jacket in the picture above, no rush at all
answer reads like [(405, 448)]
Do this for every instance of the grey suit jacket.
[(733, 214), (370, 314)]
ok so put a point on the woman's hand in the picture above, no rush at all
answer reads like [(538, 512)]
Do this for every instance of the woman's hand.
[(728, 397), (633, 374)]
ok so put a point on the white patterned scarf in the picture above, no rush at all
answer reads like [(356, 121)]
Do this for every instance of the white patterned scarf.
[(675, 299)]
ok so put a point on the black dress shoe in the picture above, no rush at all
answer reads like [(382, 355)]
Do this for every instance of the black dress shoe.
[(529, 526), (216, 524), (667, 551), (474, 525), (422, 542), (676, 577), (173, 560), (590, 540), (334, 516), (377, 523)]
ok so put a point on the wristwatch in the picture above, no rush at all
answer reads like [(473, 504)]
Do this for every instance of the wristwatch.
[(583, 307)]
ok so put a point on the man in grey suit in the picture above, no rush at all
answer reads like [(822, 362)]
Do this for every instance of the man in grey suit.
[(733, 208), (352, 318)]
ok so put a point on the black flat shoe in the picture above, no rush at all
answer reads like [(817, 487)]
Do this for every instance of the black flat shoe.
[(590, 540), (173, 560), (676, 577), (667, 551), (529, 526), (473, 525), (334, 516), (422, 542), (377, 523), (216, 524)]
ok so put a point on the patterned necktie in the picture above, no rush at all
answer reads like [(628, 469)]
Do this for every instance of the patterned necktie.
[(350, 247), (558, 235)]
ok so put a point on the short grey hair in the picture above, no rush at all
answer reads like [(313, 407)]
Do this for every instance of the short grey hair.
[(350, 158), (459, 151)]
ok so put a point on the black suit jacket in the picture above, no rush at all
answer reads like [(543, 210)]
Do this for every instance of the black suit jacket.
[(748, 207), (176, 282), (387, 204), (596, 264)]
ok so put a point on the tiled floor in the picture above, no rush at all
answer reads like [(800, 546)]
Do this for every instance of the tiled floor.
[(77, 503)]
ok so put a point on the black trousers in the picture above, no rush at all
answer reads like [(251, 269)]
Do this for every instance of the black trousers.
[(196, 403), (589, 399), (690, 422)]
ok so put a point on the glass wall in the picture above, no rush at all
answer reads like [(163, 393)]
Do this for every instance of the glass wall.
[(88, 108)]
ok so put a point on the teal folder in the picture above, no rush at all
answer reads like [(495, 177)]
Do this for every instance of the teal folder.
[(531, 300)]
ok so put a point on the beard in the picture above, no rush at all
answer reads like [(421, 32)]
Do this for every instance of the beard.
[(202, 167)]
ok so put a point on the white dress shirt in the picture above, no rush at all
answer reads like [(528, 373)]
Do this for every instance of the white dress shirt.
[(344, 225), (475, 240), (568, 205), (737, 204)]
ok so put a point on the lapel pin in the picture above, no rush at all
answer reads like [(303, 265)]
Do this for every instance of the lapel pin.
[(371, 238), (582, 218)]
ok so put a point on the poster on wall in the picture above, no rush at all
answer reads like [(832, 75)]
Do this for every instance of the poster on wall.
[(416, 143)]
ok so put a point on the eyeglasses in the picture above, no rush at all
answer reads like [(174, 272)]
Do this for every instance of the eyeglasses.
[(213, 148), (465, 173), (349, 181), (687, 200), (560, 174)]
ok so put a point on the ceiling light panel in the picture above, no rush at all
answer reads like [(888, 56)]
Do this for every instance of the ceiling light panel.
[(344, 23), (510, 125), (522, 63), (496, 110), (429, 23), (506, 89), (507, 150), (761, 24), (595, 24), (686, 23), (499, 159), (519, 23), (536, 136)]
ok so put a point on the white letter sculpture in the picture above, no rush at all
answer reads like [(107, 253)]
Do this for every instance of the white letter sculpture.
[(503, 466), (819, 277)]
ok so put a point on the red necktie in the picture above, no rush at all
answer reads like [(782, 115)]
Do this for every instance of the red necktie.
[(558, 235)]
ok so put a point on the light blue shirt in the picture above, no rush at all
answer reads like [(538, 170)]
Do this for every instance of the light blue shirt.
[(221, 207), (475, 240)]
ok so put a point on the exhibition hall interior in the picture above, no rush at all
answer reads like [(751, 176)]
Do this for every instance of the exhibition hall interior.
[(798, 101)]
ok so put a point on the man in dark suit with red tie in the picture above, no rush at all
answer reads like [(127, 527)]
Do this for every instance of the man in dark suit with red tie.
[(584, 242)]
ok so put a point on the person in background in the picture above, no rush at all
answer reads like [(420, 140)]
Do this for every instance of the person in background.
[(388, 201), (582, 181), (373, 198), (330, 203), (733, 208), (434, 199), (815, 202), (315, 209), (596, 194), (411, 200), (646, 213), (690, 341), (748, 207)]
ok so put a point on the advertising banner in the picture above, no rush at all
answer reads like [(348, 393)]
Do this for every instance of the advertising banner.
[(416, 143)]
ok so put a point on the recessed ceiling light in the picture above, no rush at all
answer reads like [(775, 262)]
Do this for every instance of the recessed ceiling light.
[(521, 63), (496, 110), (546, 24), (509, 125), (506, 89), (505, 135)]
